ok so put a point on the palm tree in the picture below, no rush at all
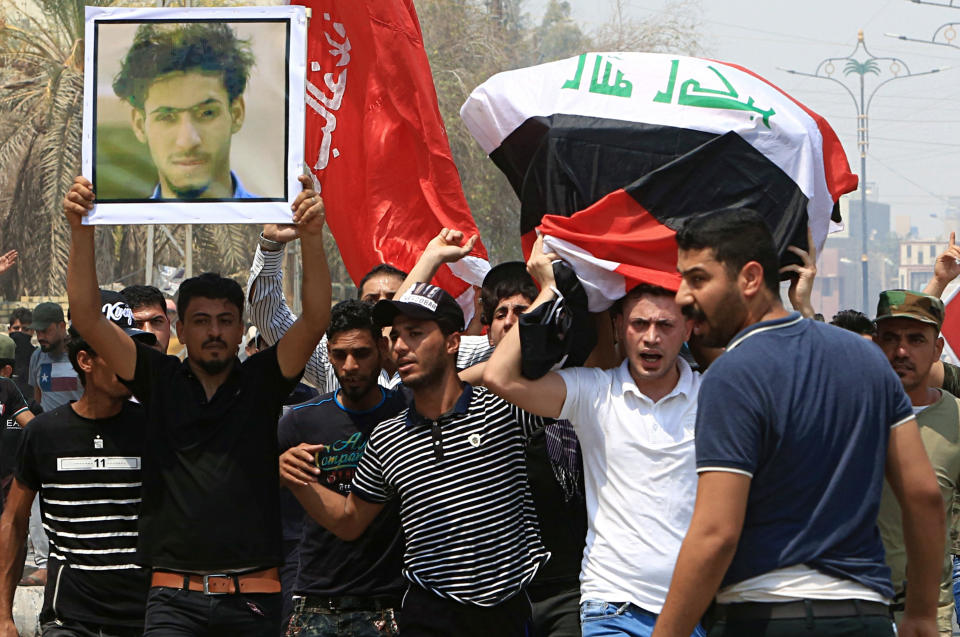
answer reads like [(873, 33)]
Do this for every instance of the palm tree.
[(861, 68)]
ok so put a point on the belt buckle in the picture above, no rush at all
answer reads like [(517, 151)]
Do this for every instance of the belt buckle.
[(206, 583)]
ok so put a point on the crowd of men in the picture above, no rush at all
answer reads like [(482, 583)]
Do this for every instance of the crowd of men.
[(716, 465), (719, 465)]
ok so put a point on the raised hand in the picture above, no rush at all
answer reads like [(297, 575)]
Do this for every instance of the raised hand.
[(449, 246), (540, 264), (801, 287), (309, 213), (946, 268), (78, 201), (8, 260)]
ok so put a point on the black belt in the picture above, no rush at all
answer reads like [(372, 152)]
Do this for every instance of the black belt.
[(318, 604), (801, 609)]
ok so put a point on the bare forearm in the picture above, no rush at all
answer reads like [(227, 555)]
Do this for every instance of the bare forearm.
[(422, 272), (936, 287), (702, 563), (923, 532), (13, 533), (328, 509), (316, 291), (83, 293)]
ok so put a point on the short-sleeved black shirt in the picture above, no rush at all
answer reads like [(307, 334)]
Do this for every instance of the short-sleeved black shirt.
[(11, 404), (87, 476), (210, 471), (371, 565)]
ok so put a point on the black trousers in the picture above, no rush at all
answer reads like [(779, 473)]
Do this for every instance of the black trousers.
[(556, 613), (71, 628), (426, 614), (173, 612), (817, 626)]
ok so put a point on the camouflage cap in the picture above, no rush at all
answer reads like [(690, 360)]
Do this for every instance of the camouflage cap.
[(909, 304)]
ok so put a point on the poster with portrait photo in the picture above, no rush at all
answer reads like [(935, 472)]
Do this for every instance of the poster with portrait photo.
[(194, 115)]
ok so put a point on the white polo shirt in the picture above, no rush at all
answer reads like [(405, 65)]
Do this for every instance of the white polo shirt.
[(641, 480)]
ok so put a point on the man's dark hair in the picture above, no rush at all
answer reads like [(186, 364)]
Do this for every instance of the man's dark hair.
[(22, 314), (737, 236), (75, 345), (642, 289), (352, 315), (383, 268), (138, 296), (854, 321), (206, 47), (209, 285), (491, 296)]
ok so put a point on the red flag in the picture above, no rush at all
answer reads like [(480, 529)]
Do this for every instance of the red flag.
[(950, 330), (376, 142)]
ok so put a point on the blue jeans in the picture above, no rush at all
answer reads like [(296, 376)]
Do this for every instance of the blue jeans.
[(609, 619)]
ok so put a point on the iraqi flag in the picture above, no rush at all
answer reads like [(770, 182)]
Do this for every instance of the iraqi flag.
[(950, 330), (375, 140), (610, 152)]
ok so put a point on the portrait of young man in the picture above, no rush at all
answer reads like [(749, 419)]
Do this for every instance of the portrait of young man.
[(173, 110)]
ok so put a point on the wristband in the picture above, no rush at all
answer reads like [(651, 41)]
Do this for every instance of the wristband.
[(269, 245)]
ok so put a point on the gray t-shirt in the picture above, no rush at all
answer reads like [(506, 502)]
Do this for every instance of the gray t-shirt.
[(56, 379)]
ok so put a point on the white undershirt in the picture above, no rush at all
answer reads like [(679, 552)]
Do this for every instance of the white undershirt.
[(793, 583)]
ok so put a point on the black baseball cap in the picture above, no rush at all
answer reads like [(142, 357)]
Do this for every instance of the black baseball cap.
[(115, 308), (422, 301), (507, 271)]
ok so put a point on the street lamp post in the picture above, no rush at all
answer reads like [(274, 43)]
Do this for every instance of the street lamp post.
[(897, 69)]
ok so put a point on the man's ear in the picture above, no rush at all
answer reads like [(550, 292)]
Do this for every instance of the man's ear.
[(751, 279), (939, 346), (7, 371), (453, 343), (85, 361), (138, 123), (237, 112)]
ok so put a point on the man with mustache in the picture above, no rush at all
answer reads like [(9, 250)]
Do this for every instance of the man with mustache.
[(635, 426), (797, 423), (185, 83), (356, 584), (210, 515), (908, 331)]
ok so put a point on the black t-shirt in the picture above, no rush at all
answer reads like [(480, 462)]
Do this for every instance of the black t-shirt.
[(210, 471), (87, 476), (371, 565), (11, 404), (291, 513)]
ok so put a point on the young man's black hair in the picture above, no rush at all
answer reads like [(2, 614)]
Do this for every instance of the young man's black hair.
[(158, 49), (382, 269), (736, 239), (138, 296), (75, 345), (352, 315), (209, 285), (854, 321), (22, 314), (511, 285)]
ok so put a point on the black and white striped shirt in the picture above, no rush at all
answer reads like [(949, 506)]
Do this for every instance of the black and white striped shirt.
[(465, 505), (87, 476)]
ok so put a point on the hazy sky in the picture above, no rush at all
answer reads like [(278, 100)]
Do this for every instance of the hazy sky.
[(914, 153)]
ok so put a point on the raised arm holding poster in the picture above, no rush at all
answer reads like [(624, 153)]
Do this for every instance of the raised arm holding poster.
[(188, 116)]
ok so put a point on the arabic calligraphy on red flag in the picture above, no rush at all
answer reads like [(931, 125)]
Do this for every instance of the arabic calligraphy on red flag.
[(376, 142)]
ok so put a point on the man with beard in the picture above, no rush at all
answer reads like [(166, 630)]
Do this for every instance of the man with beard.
[(454, 460), (635, 426), (52, 377), (791, 449), (209, 519), (149, 312), (908, 331), (344, 587)]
